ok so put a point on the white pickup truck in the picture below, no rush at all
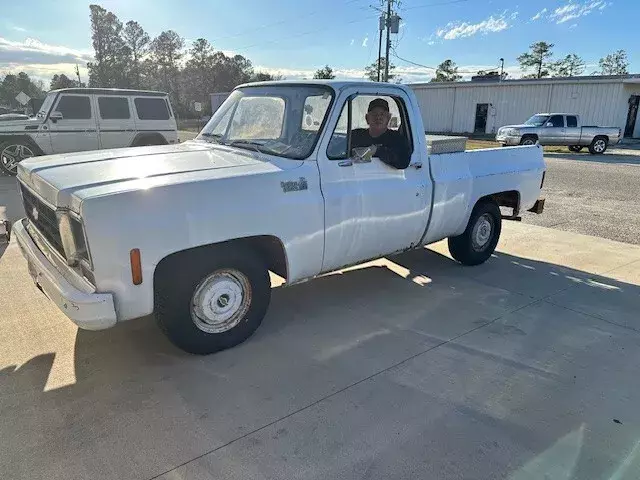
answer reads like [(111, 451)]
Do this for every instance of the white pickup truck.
[(190, 231)]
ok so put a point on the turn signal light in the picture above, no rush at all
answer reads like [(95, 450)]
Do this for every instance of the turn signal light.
[(136, 266)]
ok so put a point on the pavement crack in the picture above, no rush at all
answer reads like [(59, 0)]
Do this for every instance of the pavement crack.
[(591, 315)]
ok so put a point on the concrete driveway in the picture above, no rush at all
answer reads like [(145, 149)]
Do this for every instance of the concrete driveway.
[(408, 367)]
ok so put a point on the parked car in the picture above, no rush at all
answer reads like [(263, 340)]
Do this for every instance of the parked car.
[(559, 129), (270, 184), (78, 119)]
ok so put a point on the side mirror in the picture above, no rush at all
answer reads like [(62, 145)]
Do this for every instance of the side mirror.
[(393, 123), (55, 116), (549, 124)]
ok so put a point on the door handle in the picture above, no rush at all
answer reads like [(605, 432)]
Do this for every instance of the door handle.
[(345, 163), (417, 165)]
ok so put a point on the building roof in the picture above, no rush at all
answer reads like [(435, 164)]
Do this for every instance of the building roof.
[(630, 78)]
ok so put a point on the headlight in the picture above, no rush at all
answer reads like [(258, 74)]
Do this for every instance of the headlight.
[(73, 241), (513, 132)]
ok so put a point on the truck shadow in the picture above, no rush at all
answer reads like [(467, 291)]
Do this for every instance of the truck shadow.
[(613, 157), (138, 400)]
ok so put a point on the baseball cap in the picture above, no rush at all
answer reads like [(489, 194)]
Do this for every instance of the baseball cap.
[(378, 103)]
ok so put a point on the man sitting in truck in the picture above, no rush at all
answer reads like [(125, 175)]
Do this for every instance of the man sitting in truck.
[(390, 146)]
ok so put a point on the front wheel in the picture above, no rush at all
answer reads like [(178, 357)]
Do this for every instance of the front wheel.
[(211, 299), (598, 146), (479, 240), (575, 148), (528, 141), (12, 153)]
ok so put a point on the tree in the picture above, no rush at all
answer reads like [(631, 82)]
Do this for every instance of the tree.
[(324, 73), (166, 52), (447, 71), (111, 54), (615, 63), (539, 58), (137, 40), (12, 85), (62, 81), (265, 77), (371, 72), (491, 74), (569, 66)]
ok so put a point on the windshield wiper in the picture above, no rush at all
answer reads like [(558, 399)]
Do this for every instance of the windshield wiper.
[(216, 137), (248, 144)]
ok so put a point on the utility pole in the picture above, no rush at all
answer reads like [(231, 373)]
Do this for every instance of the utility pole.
[(386, 61), (380, 28), (78, 74), (501, 68)]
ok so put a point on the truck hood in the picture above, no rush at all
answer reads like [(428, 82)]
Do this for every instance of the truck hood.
[(65, 180), (19, 125), (518, 126)]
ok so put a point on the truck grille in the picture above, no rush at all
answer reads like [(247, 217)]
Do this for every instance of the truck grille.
[(43, 218)]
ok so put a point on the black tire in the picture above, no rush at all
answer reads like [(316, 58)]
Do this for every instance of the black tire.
[(576, 148), (178, 279), (465, 248), (528, 140), (13, 170), (598, 146)]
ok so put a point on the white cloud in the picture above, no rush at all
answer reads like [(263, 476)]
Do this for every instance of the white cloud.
[(571, 27), (364, 42), (352, 41), (574, 10), (492, 24), (408, 73), (539, 15)]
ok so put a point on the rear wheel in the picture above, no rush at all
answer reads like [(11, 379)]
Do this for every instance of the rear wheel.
[(12, 153), (576, 148), (528, 141), (598, 146), (479, 240), (216, 301)]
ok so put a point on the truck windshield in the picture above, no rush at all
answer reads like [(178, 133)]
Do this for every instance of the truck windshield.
[(46, 105), (277, 120), (537, 120)]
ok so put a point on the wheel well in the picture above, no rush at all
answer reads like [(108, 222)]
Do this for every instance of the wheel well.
[(155, 137), (270, 249), (22, 138), (509, 199), (605, 137), (530, 135)]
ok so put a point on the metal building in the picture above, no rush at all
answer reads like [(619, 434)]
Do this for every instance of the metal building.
[(484, 106)]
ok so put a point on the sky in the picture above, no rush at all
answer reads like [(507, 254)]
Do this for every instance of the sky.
[(295, 37)]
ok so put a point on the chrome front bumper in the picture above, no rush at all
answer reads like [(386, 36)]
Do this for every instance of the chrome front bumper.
[(506, 140), (76, 298)]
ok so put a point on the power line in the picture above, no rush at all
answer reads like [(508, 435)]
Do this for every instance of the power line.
[(363, 19), (395, 54), (273, 24), (427, 5)]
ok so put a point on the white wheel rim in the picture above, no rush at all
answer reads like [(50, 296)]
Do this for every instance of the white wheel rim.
[(528, 141), (12, 155), (221, 301), (481, 233), (599, 146)]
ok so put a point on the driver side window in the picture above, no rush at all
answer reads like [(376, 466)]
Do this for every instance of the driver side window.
[(556, 121), (352, 117)]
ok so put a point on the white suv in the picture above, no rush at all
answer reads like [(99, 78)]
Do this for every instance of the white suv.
[(78, 119)]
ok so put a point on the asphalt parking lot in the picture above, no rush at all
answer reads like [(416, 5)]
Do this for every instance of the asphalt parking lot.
[(593, 194), (407, 367)]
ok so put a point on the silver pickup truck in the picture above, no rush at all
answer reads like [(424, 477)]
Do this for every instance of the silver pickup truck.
[(559, 129)]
